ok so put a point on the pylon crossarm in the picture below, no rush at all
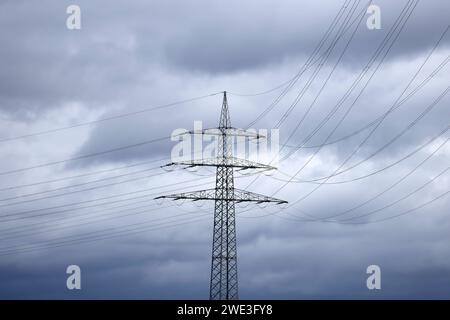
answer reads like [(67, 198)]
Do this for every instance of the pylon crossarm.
[(243, 164), (231, 131), (236, 196)]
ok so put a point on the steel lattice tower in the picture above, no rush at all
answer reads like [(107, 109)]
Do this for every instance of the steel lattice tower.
[(224, 277), (224, 274)]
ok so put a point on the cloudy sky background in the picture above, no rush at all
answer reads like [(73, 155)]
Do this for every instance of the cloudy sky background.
[(130, 56)]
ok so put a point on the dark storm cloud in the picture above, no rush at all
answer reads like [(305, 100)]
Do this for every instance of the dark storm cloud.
[(130, 56), (121, 55), (231, 37)]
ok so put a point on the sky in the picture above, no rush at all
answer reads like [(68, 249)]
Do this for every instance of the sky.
[(363, 159)]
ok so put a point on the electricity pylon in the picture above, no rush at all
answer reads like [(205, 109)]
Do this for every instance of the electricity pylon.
[(224, 275)]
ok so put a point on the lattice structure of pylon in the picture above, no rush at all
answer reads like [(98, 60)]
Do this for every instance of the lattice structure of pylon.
[(224, 273)]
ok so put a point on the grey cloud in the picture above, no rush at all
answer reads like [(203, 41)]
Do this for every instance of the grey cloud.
[(131, 56)]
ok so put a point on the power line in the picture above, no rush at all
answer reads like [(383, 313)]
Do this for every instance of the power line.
[(398, 200), (108, 236), (78, 191), (335, 128), (326, 182), (395, 106), (442, 195), (122, 115), (85, 156), (348, 92), (360, 77), (305, 66), (224, 280), (145, 229), (75, 216), (81, 175), (266, 91), (400, 97), (386, 190), (141, 228), (316, 72), (372, 212), (336, 172), (395, 138), (14, 214), (373, 122), (90, 221), (83, 184)]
